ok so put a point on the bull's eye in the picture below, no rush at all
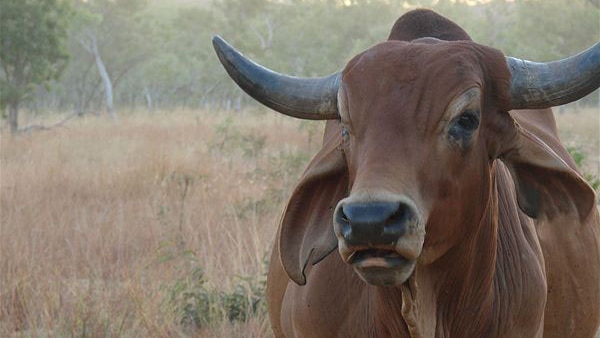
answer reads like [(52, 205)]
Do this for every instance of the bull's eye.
[(468, 120), (463, 126), (345, 134)]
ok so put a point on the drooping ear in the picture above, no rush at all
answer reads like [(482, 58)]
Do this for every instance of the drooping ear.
[(306, 229), (545, 176)]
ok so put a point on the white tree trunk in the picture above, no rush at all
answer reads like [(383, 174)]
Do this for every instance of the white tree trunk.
[(148, 96), (108, 88), (92, 47)]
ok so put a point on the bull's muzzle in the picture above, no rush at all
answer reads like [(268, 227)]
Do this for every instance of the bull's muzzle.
[(380, 238), (373, 223)]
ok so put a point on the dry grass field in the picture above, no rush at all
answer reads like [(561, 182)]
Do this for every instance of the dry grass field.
[(117, 230)]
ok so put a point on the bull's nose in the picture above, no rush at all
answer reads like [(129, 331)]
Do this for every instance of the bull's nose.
[(373, 223)]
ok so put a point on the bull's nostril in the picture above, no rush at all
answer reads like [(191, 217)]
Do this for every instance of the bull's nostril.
[(344, 222), (395, 225)]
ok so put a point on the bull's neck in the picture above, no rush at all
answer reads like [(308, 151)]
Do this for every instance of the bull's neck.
[(459, 282)]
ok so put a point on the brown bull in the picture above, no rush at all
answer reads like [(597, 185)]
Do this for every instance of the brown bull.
[(454, 214)]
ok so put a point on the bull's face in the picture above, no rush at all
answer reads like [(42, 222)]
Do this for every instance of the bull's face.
[(408, 176), (412, 135)]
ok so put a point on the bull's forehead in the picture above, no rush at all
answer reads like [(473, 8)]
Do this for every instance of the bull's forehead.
[(409, 81)]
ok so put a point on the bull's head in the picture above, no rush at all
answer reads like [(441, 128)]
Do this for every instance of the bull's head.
[(417, 127)]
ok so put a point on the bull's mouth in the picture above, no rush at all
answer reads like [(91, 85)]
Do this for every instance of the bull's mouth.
[(381, 267), (376, 258)]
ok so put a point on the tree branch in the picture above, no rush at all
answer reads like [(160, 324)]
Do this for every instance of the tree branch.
[(60, 123)]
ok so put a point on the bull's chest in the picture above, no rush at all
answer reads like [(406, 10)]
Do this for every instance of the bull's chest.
[(336, 303)]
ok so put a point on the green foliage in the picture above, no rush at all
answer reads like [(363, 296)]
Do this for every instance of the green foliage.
[(282, 169), (277, 172), (32, 34), (576, 154), (124, 41), (229, 137), (247, 297), (32, 48), (197, 305), (159, 52), (579, 158)]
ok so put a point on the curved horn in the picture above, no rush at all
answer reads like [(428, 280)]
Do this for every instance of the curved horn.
[(305, 98), (543, 85)]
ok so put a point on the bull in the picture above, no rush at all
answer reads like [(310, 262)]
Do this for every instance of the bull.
[(454, 207)]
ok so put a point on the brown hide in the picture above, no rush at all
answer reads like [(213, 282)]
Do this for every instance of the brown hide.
[(567, 226), (487, 269)]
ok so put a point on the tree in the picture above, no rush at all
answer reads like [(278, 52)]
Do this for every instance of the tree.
[(87, 24), (112, 36), (158, 54), (32, 38)]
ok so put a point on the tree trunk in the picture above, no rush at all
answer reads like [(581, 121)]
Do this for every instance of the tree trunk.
[(13, 117), (108, 88), (92, 47), (148, 96)]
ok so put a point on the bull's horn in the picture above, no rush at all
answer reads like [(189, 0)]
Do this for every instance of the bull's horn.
[(305, 98), (543, 85)]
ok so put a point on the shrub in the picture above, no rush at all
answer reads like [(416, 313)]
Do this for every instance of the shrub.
[(229, 138), (579, 158), (196, 305)]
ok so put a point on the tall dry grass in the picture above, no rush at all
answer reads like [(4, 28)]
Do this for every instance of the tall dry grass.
[(100, 220)]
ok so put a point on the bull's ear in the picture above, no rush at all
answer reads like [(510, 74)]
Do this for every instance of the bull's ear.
[(306, 229), (546, 177)]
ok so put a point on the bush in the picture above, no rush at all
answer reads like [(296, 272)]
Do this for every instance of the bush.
[(196, 305), (579, 158), (229, 138)]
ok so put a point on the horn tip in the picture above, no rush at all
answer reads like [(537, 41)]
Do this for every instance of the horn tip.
[(223, 49), (218, 42)]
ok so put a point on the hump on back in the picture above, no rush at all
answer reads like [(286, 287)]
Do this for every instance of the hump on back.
[(423, 23)]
